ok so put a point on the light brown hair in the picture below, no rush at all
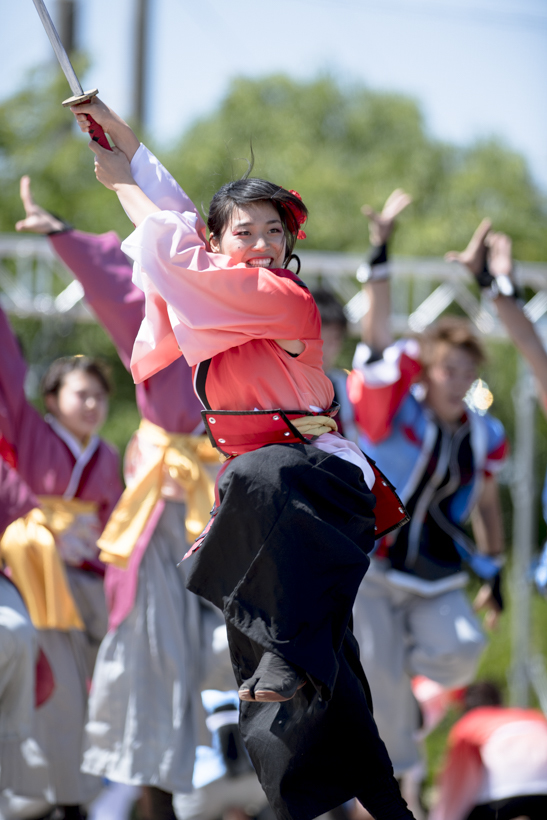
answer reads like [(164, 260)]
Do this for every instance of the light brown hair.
[(454, 331)]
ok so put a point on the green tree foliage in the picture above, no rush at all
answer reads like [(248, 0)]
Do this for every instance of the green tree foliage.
[(38, 137), (341, 147)]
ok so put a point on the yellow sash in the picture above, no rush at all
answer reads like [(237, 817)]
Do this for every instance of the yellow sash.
[(28, 549), (314, 425), (184, 457)]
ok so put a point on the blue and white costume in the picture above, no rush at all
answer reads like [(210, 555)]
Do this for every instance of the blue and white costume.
[(411, 615)]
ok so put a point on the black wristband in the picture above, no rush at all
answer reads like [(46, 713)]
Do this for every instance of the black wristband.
[(484, 278), (495, 585), (378, 255), (66, 227), (497, 285), (377, 268)]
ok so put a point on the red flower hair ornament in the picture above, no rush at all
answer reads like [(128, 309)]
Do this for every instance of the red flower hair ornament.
[(297, 214)]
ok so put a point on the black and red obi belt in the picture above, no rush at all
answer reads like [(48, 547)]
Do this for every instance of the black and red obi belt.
[(234, 433)]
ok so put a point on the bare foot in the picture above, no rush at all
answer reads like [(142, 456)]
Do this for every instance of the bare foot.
[(358, 812), (474, 256), (381, 225), (274, 680), (37, 220)]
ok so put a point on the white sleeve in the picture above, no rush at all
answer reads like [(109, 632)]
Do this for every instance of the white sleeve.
[(159, 186), (386, 370)]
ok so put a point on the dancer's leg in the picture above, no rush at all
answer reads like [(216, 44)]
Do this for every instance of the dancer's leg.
[(380, 628), (157, 804)]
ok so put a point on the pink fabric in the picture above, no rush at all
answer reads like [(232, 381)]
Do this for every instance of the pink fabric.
[(103, 270), (161, 188), (462, 776), (45, 462), (16, 498), (120, 585), (210, 308), (167, 399)]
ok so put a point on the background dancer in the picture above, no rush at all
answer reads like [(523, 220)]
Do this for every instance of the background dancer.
[(26, 681), (412, 616), (496, 766), (334, 328), (75, 476), (162, 631), (295, 520)]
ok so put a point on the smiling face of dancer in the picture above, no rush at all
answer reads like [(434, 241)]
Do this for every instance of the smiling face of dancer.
[(77, 396), (255, 222), (254, 236)]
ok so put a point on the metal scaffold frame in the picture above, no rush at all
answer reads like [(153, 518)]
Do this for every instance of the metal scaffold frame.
[(34, 283)]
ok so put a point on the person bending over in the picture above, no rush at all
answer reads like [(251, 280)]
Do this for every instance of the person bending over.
[(496, 763)]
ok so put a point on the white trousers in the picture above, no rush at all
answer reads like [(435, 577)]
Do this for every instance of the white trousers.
[(402, 634)]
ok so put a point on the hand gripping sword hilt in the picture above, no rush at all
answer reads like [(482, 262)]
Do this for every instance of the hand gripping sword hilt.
[(96, 131)]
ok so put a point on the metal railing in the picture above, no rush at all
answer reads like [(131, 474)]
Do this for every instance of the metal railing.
[(33, 282)]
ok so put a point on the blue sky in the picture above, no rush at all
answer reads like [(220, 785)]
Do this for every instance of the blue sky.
[(477, 67)]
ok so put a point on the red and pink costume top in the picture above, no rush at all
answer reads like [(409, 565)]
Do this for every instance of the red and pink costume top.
[(494, 753), (224, 318)]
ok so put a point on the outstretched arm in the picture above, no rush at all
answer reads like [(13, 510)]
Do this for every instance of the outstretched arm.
[(488, 531), (491, 254), (146, 170), (99, 264), (376, 323), (13, 370), (37, 219), (122, 135), (520, 328), (113, 168)]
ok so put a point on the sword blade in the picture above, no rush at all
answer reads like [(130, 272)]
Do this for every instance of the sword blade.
[(58, 48)]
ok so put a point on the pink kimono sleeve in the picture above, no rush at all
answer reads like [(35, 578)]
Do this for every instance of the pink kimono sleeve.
[(16, 498), (161, 188), (200, 303), (97, 262), (13, 370)]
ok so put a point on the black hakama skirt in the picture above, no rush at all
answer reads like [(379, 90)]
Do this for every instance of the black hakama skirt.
[(283, 560)]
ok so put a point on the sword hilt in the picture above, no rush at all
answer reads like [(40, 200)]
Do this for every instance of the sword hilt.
[(96, 131)]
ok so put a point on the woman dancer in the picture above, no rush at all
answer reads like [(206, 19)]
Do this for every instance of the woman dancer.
[(52, 553), (288, 546), (162, 631)]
